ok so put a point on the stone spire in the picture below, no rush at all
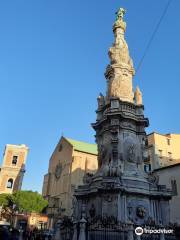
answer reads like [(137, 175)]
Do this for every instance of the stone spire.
[(120, 71)]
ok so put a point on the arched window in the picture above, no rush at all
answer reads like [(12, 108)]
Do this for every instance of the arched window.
[(14, 160), (10, 183)]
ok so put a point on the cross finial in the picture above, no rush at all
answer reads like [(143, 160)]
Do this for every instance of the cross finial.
[(120, 13)]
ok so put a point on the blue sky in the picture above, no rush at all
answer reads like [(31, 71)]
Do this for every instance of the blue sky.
[(53, 56)]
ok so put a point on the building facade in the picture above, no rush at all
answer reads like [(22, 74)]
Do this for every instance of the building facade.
[(170, 176), (163, 150), (13, 168), (30, 221), (70, 161)]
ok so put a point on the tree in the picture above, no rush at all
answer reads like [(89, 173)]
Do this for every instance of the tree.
[(4, 199), (29, 201), (6, 206), (24, 201)]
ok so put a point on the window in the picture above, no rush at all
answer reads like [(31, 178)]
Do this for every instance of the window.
[(168, 141), (147, 167), (14, 160), (10, 183)]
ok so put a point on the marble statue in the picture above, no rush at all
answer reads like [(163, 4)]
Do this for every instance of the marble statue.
[(120, 71), (138, 96)]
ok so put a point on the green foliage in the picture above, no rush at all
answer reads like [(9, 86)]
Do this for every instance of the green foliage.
[(28, 201), (25, 201), (5, 199)]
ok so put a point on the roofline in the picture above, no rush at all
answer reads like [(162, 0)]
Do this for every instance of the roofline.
[(169, 166), (66, 139), (17, 145), (61, 138), (79, 141), (164, 135), (85, 152), (156, 133)]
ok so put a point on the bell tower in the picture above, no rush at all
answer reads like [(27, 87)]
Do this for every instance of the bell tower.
[(13, 168)]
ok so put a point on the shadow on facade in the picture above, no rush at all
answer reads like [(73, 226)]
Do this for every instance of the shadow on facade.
[(19, 178), (61, 205)]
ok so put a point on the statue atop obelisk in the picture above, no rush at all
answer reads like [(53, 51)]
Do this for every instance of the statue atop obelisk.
[(120, 71)]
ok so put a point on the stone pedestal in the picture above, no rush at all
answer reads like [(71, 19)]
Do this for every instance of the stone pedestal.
[(121, 188)]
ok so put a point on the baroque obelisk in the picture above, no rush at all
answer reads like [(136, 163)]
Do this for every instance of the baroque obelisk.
[(120, 187)]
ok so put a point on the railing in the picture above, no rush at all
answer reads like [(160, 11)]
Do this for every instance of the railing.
[(150, 237), (107, 228), (66, 229)]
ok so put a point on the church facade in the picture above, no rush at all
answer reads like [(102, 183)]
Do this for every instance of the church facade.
[(70, 161)]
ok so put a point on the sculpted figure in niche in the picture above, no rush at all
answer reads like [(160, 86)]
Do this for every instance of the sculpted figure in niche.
[(153, 178), (100, 155), (101, 101), (138, 96), (130, 150), (131, 153), (92, 211), (104, 159)]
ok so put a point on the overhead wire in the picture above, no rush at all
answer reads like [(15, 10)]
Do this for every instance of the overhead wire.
[(153, 35)]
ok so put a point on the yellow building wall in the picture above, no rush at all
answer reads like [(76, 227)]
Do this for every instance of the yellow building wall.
[(163, 150), (74, 165), (82, 163)]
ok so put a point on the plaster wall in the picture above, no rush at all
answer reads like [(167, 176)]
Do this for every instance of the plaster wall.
[(166, 175), (163, 149)]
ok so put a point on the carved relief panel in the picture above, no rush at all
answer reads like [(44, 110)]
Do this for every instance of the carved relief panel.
[(138, 210), (130, 149), (109, 205)]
